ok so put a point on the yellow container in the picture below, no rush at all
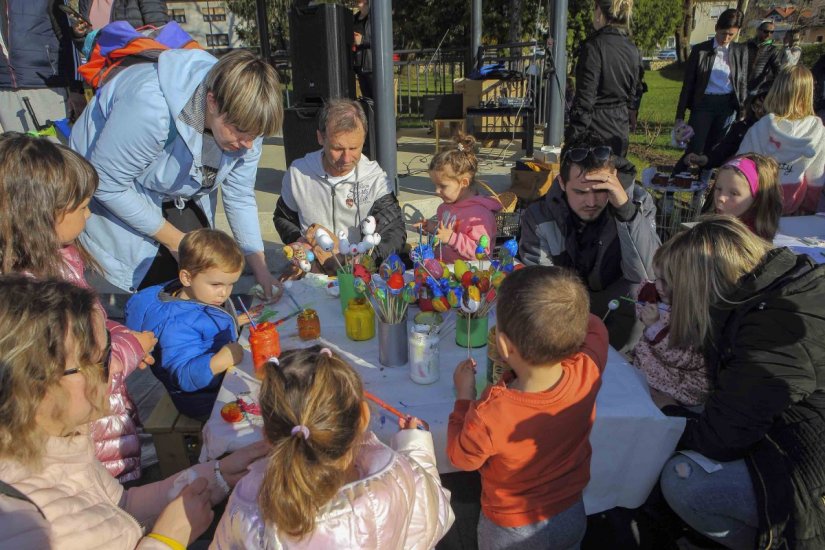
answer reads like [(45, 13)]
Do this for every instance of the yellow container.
[(359, 320)]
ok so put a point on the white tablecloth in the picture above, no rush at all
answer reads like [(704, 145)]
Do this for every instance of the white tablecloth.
[(631, 438), (803, 235)]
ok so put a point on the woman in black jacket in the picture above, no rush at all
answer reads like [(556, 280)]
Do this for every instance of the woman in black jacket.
[(760, 313), (715, 85), (609, 78)]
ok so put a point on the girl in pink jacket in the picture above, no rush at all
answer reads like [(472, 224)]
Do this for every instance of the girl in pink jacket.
[(328, 482), (465, 215), (45, 191)]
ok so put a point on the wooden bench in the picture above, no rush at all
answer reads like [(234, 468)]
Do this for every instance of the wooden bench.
[(177, 437)]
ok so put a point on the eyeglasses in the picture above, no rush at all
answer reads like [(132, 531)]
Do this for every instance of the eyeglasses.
[(107, 358), (600, 154)]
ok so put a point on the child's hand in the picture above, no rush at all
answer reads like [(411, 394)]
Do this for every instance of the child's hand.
[(464, 379), (410, 423), (427, 226), (649, 314), (445, 231), (255, 311), (147, 342)]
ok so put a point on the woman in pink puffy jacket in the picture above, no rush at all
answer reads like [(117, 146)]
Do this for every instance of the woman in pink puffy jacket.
[(45, 191)]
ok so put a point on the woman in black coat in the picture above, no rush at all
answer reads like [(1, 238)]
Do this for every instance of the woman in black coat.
[(760, 314), (715, 84), (609, 79)]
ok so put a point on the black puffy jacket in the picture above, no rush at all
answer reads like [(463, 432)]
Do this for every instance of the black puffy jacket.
[(136, 12), (765, 60), (40, 50), (768, 405)]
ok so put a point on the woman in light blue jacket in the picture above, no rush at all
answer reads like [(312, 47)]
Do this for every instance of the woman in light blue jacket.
[(164, 137)]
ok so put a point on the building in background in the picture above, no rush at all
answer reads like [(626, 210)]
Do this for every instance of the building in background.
[(705, 15), (208, 21)]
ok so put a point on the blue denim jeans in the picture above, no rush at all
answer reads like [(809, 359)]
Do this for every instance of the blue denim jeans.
[(721, 505), (563, 531), (711, 119)]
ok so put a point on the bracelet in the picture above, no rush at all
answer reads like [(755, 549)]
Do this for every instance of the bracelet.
[(171, 543), (220, 480)]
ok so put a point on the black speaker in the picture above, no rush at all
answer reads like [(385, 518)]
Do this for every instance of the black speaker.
[(300, 125), (321, 40), (442, 106), (370, 149)]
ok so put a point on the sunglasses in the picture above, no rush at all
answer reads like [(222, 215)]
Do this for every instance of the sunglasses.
[(107, 358), (766, 31), (600, 154)]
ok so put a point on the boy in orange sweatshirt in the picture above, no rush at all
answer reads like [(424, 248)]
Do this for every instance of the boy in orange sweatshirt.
[(529, 435)]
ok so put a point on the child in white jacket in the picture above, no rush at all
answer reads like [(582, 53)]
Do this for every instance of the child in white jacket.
[(328, 482), (794, 136)]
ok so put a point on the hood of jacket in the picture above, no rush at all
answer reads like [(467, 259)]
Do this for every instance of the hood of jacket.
[(178, 91), (791, 139)]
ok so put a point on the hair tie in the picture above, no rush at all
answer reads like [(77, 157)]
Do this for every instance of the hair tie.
[(326, 351), (747, 168), (461, 147), (300, 429), (274, 361)]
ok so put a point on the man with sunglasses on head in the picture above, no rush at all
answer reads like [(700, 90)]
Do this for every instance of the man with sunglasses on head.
[(596, 221), (764, 57)]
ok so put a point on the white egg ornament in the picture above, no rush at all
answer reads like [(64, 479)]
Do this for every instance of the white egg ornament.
[(368, 225), (324, 240), (364, 247), (343, 245)]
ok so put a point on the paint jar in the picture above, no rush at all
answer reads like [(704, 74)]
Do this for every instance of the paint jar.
[(265, 343), (423, 356), (477, 333), (359, 320), (496, 367), (309, 325), (392, 343)]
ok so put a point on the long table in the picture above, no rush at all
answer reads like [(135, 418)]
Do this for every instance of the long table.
[(631, 438)]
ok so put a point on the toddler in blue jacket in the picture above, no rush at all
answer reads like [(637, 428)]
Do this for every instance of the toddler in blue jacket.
[(194, 321)]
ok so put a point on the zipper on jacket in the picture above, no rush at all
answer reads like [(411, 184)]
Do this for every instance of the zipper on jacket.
[(765, 509), (332, 192)]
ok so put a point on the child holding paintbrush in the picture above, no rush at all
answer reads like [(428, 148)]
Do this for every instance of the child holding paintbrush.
[(327, 481), (672, 373), (194, 321)]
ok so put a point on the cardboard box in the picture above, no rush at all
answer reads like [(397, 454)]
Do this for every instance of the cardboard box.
[(478, 92), (530, 185)]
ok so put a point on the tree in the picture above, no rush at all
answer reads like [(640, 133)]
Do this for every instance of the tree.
[(277, 13), (653, 21), (683, 31)]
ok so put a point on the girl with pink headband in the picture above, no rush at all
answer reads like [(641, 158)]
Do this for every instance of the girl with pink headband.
[(747, 187)]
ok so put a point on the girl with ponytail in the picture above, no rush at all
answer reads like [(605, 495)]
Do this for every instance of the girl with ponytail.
[(328, 482)]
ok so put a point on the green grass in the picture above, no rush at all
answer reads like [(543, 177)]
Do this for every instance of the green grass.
[(662, 97), (650, 144)]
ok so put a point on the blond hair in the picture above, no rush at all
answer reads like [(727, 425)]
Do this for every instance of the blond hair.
[(459, 157), (616, 12), (792, 94), (702, 267), (36, 319), (39, 183), (763, 215), (535, 298), (207, 248), (321, 392), (247, 92)]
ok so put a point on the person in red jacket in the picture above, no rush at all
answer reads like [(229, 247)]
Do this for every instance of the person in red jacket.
[(529, 436)]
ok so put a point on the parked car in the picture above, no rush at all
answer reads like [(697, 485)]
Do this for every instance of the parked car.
[(667, 54)]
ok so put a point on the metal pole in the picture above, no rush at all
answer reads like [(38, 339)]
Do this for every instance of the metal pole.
[(554, 131), (475, 32), (263, 30), (381, 44)]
